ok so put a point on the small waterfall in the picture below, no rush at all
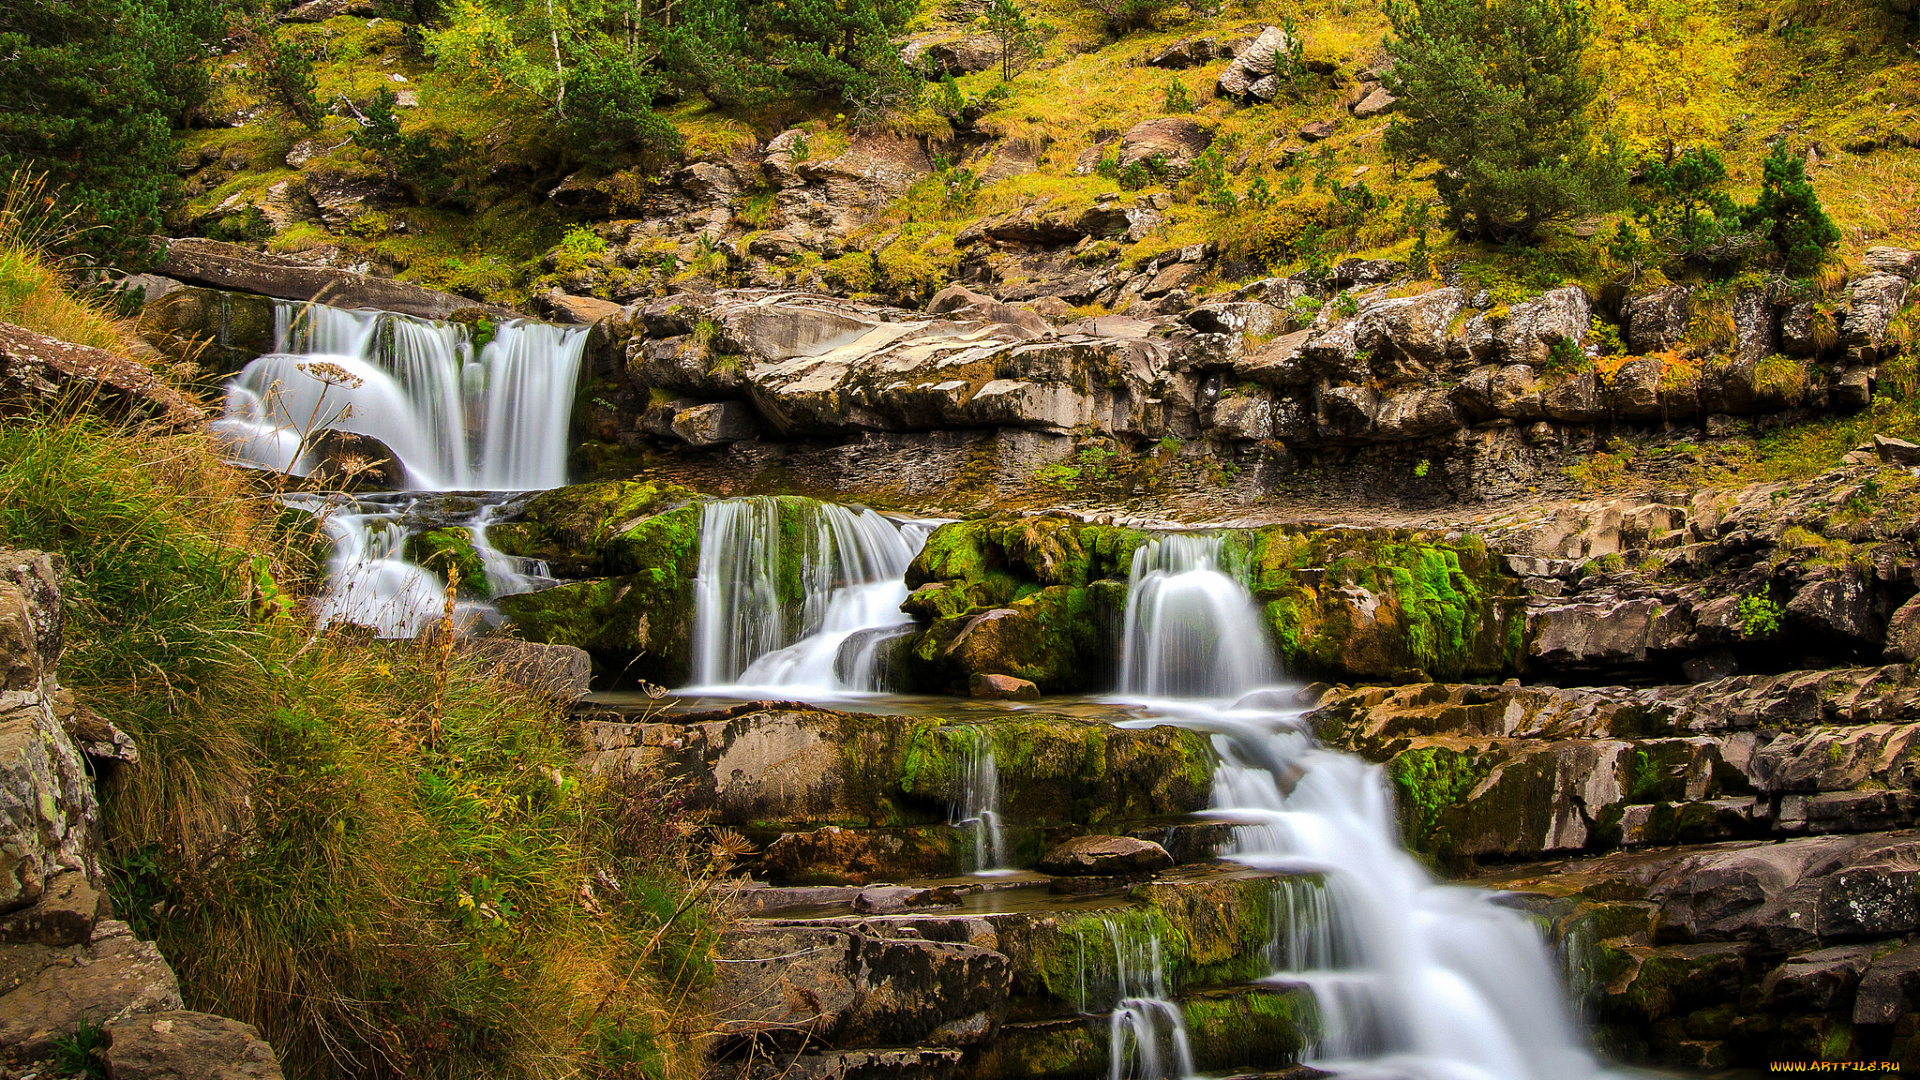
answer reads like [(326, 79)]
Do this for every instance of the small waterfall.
[(1146, 1031), (371, 582), (494, 421), (1191, 629), (798, 595), (977, 810), (1410, 978)]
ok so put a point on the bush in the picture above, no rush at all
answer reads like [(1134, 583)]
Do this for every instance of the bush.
[(1506, 108), (1758, 616), (1788, 213), (609, 117), (416, 161)]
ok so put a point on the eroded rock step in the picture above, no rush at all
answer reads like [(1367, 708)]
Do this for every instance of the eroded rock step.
[(1011, 982), (851, 798), (1563, 770), (1738, 954)]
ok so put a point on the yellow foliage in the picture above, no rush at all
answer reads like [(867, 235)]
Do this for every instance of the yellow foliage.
[(1671, 69)]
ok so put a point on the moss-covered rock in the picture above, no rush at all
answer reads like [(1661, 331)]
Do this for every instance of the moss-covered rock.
[(589, 530), (439, 550), (1387, 604)]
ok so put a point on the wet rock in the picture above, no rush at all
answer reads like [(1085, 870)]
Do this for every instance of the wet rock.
[(38, 372), (846, 989), (187, 1046), (1003, 687), (217, 331), (1105, 855), (836, 856), (1656, 321), (893, 899)]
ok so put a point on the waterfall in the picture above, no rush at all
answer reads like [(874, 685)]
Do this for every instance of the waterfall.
[(506, 574), (977, 809), (798, 595), (1410, 978), (494, 421), (1146, 1031), (1191, 630)]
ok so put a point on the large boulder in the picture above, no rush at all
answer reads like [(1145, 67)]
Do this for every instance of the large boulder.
[(1175, 140), (226, 266), (1105, 856), (51, 993), (41, 373), (1872, 302), (1250, 74), (1656, 321)]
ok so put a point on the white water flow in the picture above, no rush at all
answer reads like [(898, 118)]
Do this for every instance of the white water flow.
[(506, 574), (977, 810), (370, 582), (1146, 1031), (1191, 630), (796, 596), (1412, 979), (456, 420)]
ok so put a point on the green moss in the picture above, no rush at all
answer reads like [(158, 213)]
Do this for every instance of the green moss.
[(1428, 783), (1246, 1029), (439, 550)]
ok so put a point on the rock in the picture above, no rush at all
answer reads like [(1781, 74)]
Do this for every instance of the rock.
[(1889, 260), (716, 424), (945, 54), (1896, 451), (64, 915), (1377, 103), (218, 332), (187, 1046), (350, 461), (1903, 632), (1190, 52), (1656, 321), (1817, 981), (1316, 130), (1838, 606), (1106, 856), (39, 373), (1890, 988), (53, 991), (1253, 66), (1534, 326), (1246, 417), (48, 815), (560, 672), (894, 899), (958, 301), (1407, 335), (1872, 302), (845, 989), (226, 266), (1003, 687), (1853, 390), (582, 310), (94, 735), (1177, 140)]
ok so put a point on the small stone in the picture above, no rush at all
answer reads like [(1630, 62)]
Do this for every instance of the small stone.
[(1105, 856), (1316, 130), (1003, 688), (716, 424), (1377, 103)]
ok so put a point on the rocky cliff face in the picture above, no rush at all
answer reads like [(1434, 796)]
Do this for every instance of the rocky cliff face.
[(65, 960)]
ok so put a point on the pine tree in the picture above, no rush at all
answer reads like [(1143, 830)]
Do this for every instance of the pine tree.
[(1497, 93), (1789, 213)]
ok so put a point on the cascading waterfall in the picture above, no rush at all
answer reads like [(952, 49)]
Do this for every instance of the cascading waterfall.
[(977, 810), (1146, 1031), (1191, 630), (456, 420), (1411, 978), (798, 609)]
